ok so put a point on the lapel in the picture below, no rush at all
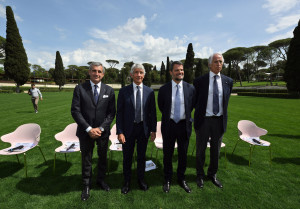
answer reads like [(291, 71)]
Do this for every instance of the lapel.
[(145, 96), (89, 90), (131, 94), (102, 92), (225, 88), (185, 95), (169, 96), (206, 86)]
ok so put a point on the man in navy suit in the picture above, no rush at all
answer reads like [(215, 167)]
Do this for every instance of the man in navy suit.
[(136, 121), (176, 102), (212, 95), (93, 109)]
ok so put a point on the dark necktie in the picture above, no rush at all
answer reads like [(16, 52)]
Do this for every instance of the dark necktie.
[(215, 96), (138, 113), (176, 116), (96, 95)]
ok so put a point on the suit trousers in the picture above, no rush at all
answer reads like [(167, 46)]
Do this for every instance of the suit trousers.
[(212, 128), (35, 101), (137, 136), (86, 147), (177, 132)]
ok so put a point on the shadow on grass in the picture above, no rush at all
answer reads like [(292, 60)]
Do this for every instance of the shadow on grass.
[(27, 111), (294, 160), (238, 160), (51, 184), (285, 136), (9, 168)]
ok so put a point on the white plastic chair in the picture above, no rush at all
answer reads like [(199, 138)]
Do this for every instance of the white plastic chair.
[(250, 133), (27, 136), (69, 140)]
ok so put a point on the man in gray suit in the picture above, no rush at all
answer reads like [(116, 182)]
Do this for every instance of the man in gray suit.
[(212, 96), (93, 109)]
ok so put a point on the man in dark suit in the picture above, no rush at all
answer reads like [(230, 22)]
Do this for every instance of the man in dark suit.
[(176, 102), (212, 95), (93, 109), (136, 121)]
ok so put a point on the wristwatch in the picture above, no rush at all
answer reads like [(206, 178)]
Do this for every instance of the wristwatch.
[(101, 129)]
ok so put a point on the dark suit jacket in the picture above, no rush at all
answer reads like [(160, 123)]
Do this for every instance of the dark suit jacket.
[(165, 101), (201, 85), (126, 112), (86, 113)]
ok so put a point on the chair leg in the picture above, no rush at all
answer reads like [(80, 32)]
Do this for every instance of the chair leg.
[(235, 145), (42, 153), (250, 155), (25, 164), (54, 163), (66, 157), (18, 159)]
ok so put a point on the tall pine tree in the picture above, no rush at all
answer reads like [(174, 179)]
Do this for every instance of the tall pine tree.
[(189, 64), (292, 67), (168, 76), (59, 73), (162, 73), (16, 62)]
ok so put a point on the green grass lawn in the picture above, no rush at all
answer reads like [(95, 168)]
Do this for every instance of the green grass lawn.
[(261, 83), (260, 186)]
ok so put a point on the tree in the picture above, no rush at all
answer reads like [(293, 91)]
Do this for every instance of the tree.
[(59, 73), (168, 76), (112, 63), (292, 67), (82, 73), (162, 72), (189, 64), (282, 47), (199, 69), (269, 55), (16, 63), (147, 78), (2, 49), (39, 71)]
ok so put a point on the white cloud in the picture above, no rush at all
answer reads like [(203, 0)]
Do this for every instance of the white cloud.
[(2, 11), (280, 6), (204, 52), (283, 23), (219, 15), (61, 31), (288, 34)]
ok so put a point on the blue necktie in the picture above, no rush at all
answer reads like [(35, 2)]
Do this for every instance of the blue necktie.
[(215, 96), (176, 116), (96, 95), (138, 113)]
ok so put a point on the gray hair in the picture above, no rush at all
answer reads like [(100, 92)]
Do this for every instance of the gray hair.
[(211, 57), (174, 63), (96, 64), (137, 66)]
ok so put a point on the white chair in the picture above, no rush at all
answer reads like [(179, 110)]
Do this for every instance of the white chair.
[(250, 133), (24, 138), (69, 140)]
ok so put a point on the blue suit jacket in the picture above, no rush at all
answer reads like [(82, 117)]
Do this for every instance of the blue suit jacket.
[(201, 85), (165, 102), (126, 112)]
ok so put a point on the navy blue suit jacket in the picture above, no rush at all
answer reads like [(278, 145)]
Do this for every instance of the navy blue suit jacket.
[(165, 102), (87, 113), (201, 85), (126, 111)]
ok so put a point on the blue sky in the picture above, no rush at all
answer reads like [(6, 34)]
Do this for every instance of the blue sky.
[(145, 30)]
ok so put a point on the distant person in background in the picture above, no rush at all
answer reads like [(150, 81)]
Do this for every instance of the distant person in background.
[(35, 95)]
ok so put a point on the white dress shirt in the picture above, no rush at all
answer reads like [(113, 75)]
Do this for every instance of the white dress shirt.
[(135, 91), (93, 89), (182, 109), (209, 107)]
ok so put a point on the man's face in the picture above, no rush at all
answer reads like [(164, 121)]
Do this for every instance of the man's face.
[(33, 87), (96, 74), (138, 76), (177, 73), (217, 63)]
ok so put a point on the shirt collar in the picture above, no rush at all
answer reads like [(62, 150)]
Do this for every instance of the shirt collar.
[(134, 85), (92, 84), (211, 74), (174, 84)]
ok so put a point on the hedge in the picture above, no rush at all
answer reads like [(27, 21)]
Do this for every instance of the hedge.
[(273, 95)]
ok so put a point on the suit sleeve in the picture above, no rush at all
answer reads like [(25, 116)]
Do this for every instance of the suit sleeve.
[(120, 113), (160, 100), (153, 113), (76, 109), (110, 112)]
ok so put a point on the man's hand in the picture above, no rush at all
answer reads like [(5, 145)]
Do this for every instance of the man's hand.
[(153, 136), (41, 99), (121, 138), (95, 133)]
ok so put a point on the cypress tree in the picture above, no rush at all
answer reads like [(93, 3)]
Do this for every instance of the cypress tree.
[(199, 69), (147, 78), (168, 76), (59, 73), (16, 62), (162, 72), (292, 68), (189, 64)]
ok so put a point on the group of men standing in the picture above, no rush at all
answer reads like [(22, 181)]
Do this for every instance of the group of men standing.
[(93, 109)]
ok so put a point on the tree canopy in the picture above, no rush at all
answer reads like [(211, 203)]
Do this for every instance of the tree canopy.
[(59, 73)]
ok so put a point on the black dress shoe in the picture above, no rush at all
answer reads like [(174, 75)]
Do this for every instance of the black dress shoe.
[(103, 185), (125, 189), (215, 181), (143, 185), (184, 185), (166, 186), (85, 193), (200, 182)]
